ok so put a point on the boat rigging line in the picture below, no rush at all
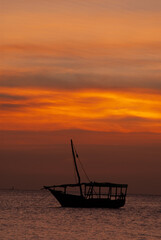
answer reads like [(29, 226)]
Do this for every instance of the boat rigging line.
[(81, 165)]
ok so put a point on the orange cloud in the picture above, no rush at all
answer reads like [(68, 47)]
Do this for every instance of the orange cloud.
[(118, 27), (96, 110), (92, 48)]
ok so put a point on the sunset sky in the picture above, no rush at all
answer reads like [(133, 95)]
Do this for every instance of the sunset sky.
[(83, 69)]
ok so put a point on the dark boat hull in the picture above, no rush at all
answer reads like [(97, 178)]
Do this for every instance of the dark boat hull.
[(69, 200)]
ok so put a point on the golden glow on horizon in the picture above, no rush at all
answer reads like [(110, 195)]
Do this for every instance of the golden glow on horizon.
[(121, 111)]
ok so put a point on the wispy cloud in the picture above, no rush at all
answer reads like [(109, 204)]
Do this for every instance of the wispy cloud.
[(96, 110), (81, 81), (87, 64)]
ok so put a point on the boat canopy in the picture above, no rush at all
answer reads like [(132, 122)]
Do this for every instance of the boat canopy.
[(90, 184)]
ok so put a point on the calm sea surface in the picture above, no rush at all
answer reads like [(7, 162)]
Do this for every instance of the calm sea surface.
[(37, 215)]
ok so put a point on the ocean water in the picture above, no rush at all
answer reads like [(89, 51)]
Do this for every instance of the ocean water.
[(37, 215)]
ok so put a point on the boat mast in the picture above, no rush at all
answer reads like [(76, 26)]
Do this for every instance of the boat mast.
[(76, 168)]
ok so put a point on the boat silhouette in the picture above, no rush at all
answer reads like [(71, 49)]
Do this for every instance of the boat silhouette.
[(89, 194)]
